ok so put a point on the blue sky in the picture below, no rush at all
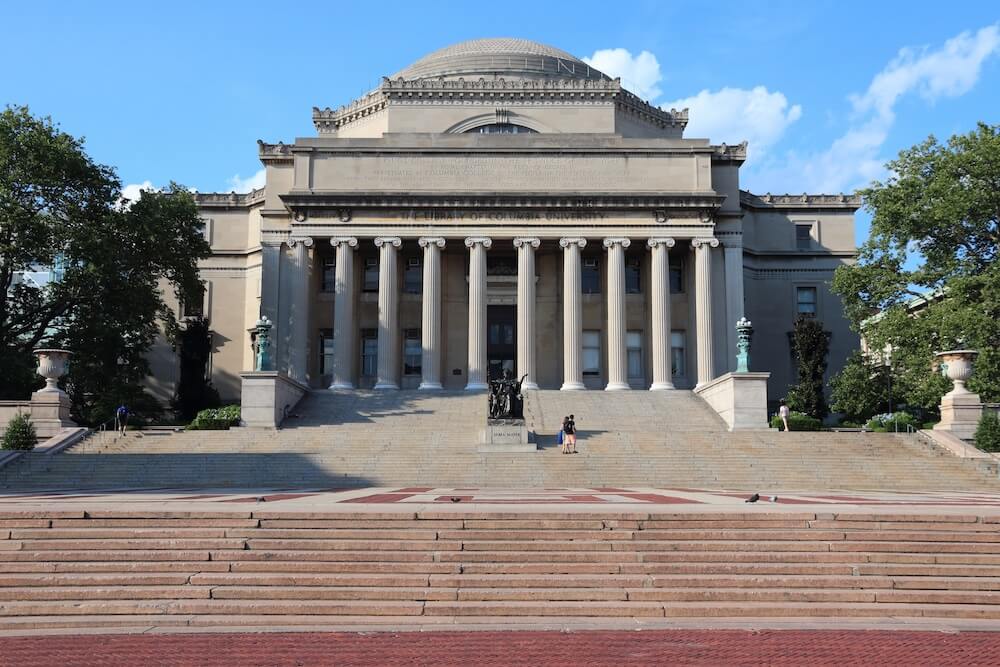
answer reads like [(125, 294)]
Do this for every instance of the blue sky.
[(825, 91)]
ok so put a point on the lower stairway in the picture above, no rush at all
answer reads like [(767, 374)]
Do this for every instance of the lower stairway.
[(69, 569), (665, 439)]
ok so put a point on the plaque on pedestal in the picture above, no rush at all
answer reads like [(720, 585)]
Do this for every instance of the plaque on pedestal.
[(506, 435)]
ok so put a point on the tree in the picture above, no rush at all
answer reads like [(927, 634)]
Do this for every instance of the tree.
[(935, 236), (810, 345), (861, 389), (58, 207), (194, 391)]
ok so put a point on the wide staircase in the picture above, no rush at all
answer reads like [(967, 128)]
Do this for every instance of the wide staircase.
[(142, 569), (651, 439)]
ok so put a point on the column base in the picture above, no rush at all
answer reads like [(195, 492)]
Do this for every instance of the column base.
[(430, 386), (342, 385), (386, 386), (572, 386), (661, 386), (529, 385), (617, 386)]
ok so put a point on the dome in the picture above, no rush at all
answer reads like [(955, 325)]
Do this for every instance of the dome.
[(500, 56)]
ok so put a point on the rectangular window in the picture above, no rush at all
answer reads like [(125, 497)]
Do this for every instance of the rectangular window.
[(371, 275), (413, 276), (590, 276), (633, 347), (592, 353), (677, 352), (805, 300), (633, 275), (676, 279), (803, 237), (369, 352), (194, 307), (328, 281), (325, 351), (412, 353)]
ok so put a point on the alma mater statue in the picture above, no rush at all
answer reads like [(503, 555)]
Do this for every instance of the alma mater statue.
[(506, 401)]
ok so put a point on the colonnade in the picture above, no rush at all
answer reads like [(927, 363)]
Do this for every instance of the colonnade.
[(345, 328)]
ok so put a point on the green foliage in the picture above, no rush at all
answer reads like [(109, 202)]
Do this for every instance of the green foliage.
[(943, 202), (861, 389), (216, 419), (798, 421), (194, 392), (893, 422), (810, 345), (57, 207), (20, 434), (988, 432)]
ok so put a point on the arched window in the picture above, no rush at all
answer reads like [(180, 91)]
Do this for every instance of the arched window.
[(501, 128)]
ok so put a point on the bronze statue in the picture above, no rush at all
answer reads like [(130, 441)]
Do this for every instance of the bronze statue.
[(506, 400)]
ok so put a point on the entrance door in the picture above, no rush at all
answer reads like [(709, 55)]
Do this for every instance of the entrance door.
[(501, 339)]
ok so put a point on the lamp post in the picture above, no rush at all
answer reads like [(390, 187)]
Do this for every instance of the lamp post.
[(744, 330)]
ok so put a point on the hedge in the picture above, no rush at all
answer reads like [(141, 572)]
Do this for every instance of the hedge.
[(988, 432), (798, 421), (216, 419), (20, 434)]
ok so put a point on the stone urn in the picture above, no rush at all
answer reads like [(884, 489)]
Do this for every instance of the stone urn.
[(52, 365), (957, 365)]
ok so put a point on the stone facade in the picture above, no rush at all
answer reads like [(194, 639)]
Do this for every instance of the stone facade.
[(499, 203)]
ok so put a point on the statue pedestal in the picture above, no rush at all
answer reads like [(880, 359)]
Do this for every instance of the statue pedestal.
[(960, 414), (507, 436)]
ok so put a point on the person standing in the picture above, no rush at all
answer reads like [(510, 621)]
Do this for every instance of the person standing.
[(569, 427), (121, 418), (783, 413), (563, 438)]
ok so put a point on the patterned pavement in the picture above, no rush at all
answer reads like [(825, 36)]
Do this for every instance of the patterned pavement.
[(815, 648), (602, 496)]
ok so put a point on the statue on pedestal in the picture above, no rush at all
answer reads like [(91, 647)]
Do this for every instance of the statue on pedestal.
[(506, 400)]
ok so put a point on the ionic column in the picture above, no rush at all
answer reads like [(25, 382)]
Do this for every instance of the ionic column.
[(298, 344), (477, 246), (572, 314), (388, 313), (733, 252), (660, 307), (526, 310), (430, 330), (344, 326), (617, 362), (703, 306)]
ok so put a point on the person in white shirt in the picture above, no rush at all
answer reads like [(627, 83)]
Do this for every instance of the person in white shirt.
[(783, 413)]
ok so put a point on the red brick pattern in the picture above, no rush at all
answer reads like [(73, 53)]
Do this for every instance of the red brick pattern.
[(815, 648)]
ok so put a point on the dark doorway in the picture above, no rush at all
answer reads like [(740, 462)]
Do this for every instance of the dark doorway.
[(501, 338)]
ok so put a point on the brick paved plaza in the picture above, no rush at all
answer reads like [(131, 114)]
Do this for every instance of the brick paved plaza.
[(488, 649)]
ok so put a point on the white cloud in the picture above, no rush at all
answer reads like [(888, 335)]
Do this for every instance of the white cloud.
[(242, 185), (734, 114), (133, 191), (639, 74), (854, 158)]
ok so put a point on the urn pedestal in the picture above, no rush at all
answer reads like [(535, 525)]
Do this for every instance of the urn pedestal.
[(960, 408), (50, 405)]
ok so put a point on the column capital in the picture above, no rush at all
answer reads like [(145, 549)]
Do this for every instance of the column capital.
[(349, 241), (394, 241), (527, 241), (666, 241), (485, 241), (425, 241), (710, 242), (617, 240), (304, 240), (568, 241)]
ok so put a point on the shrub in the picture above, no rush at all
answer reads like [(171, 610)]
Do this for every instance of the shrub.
[(216, 419), (20, 434), (892, 422), (798, 421), (988, 432)]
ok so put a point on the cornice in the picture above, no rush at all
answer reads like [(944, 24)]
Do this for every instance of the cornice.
[(274, 153), (229, 199), (705, 203), (804, 201)]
